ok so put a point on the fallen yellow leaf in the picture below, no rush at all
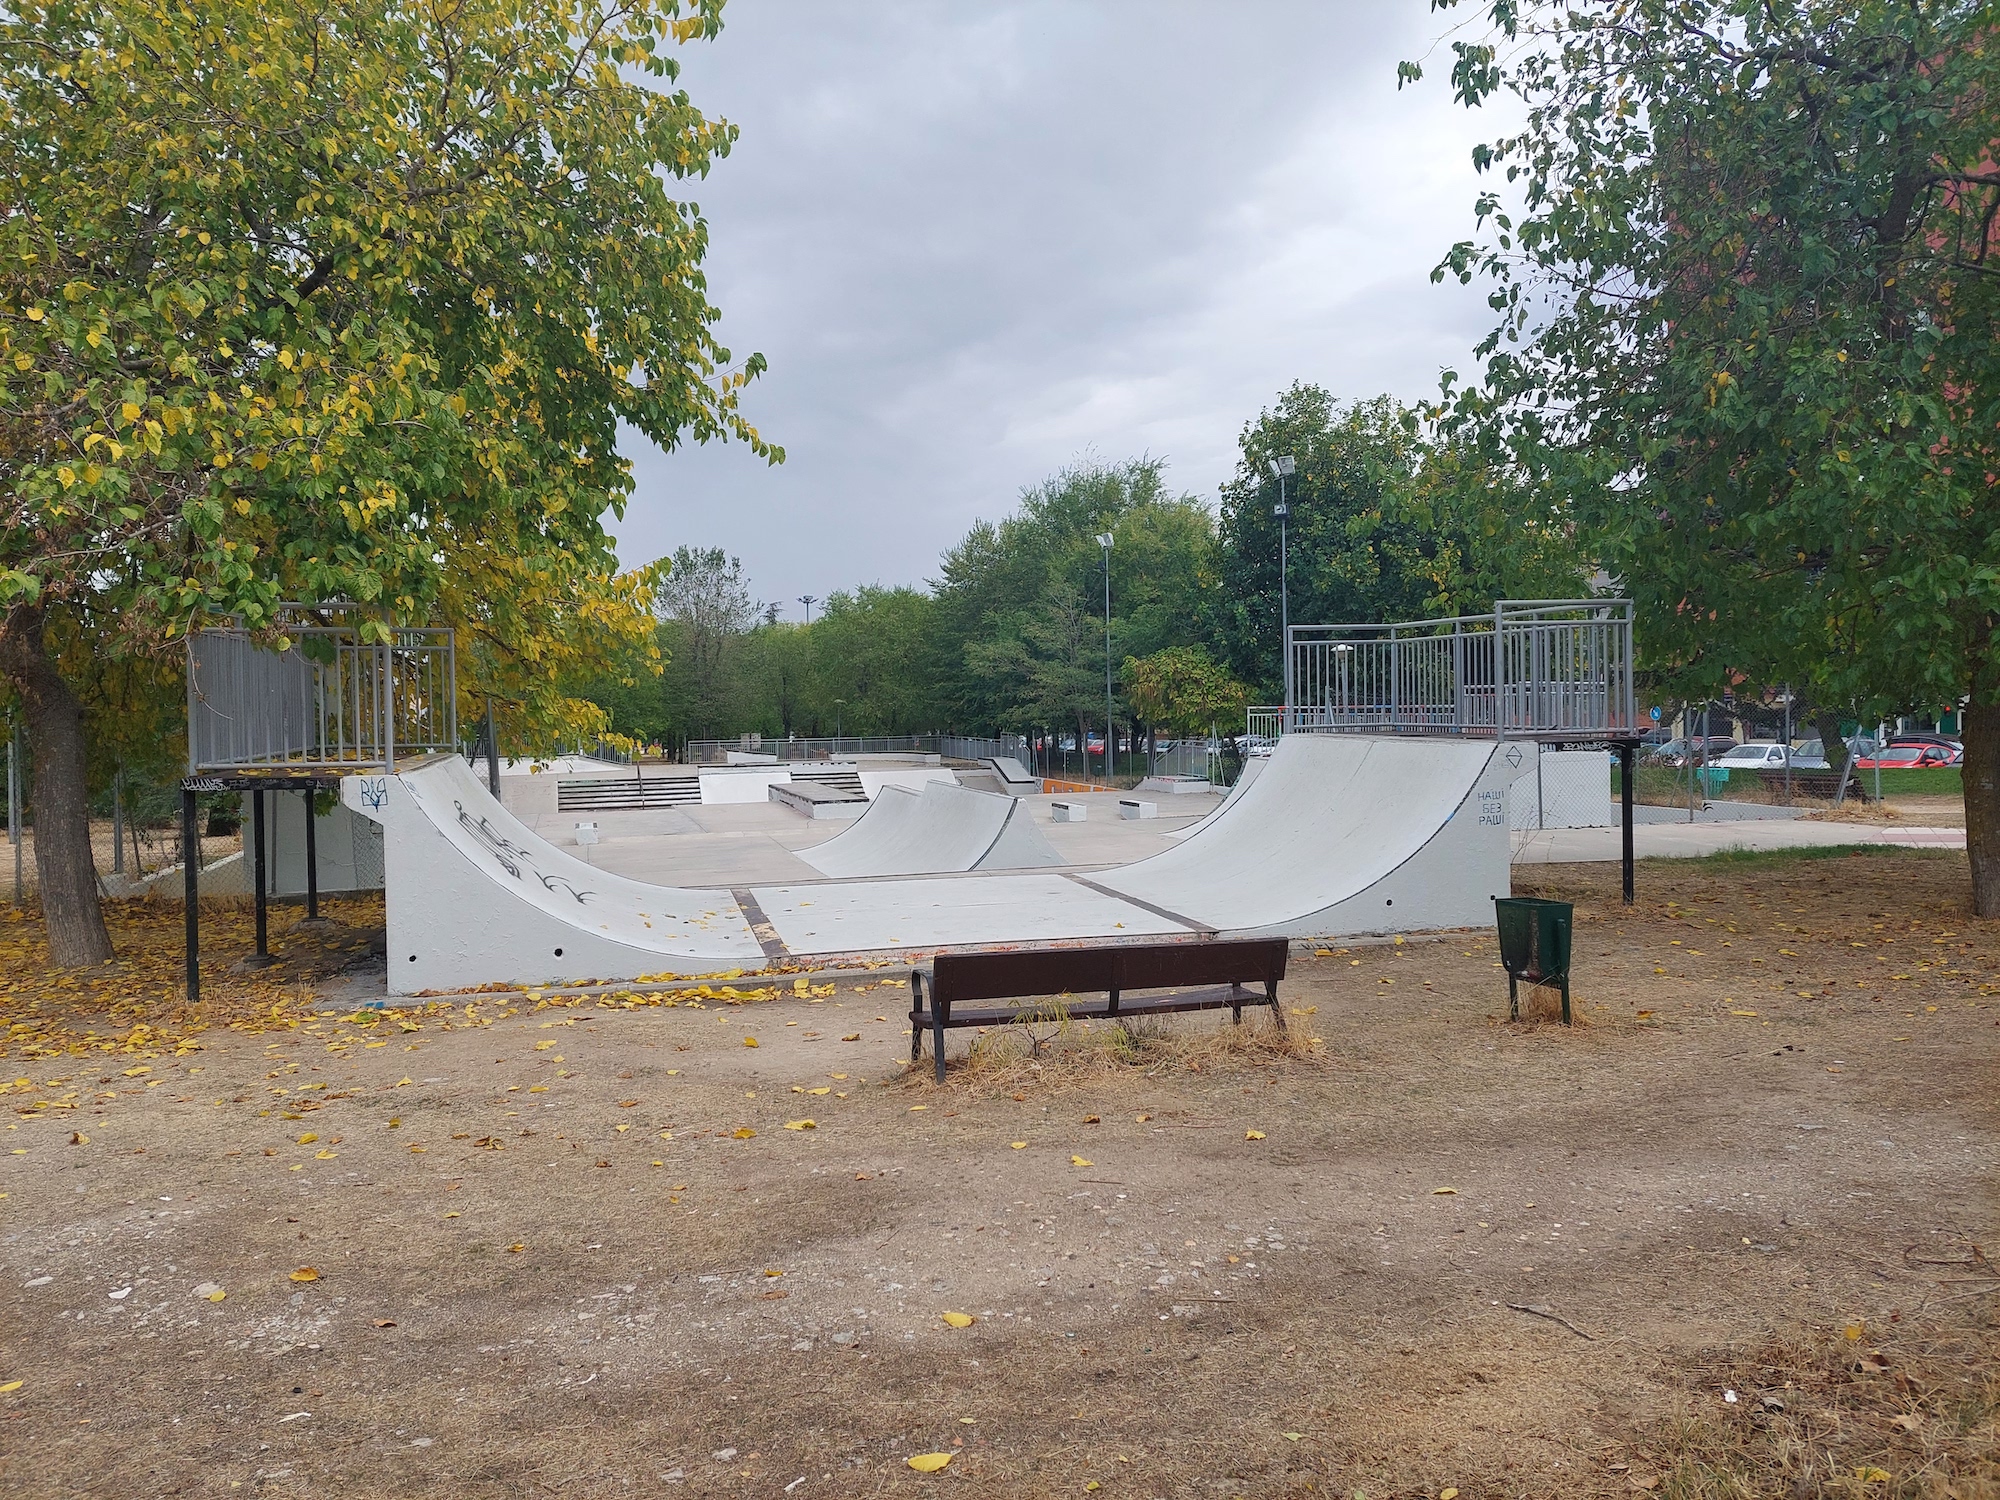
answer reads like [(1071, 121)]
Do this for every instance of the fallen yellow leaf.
[(928, 1463), (324, 1155), (742, 1133), (1079, 1161), (543, 1046), (1869, 1474), (1142, 1119), (1853, 1332), (217, 1295), (1444, 1192), (306, 1273), (801, 1125), (308, 1138), (516, 1248), (1449, 1492), (1253, 1135), (1018, 1145), (852, 1036), (749, 1041), (823, 1089), (959, 1319), (12, 1385), (78, 1138)]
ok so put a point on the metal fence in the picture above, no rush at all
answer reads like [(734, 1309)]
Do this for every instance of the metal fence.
[(841, 747), (328, 698), (1540, 668)]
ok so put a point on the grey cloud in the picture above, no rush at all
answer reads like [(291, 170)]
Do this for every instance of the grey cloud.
[(976, 241)]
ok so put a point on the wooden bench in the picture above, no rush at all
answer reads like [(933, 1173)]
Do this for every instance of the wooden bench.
[(1206, 976)]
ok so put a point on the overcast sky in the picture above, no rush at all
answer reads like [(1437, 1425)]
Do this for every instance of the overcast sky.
[(977, 240)]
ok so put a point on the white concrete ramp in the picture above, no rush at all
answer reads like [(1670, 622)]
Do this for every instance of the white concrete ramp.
[(474, 896), (1338, 835), (945, 828), (1342, 833)]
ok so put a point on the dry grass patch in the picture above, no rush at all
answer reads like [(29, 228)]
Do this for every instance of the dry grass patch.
[(1898, 1411)]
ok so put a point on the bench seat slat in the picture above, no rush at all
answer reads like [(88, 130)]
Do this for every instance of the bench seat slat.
[(1098, 1008)]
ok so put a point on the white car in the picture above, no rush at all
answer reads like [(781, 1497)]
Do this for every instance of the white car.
[(1761, 755)]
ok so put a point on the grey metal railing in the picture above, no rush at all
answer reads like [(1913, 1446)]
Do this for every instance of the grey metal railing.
[(328, 698), (836, 747), (1534, 668)]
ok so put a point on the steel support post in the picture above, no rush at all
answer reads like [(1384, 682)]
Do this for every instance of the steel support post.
[(1626, 776), (312, 857), (258, 875), (191, 891)]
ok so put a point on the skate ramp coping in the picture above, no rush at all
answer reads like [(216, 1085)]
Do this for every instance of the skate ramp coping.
[(943, 829)]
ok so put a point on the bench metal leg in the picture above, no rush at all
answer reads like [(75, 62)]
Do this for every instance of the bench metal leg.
[(916, 1019), (1513, 998), (938, 1018), (1565, 999), (1271, 999), (1235, 1003)]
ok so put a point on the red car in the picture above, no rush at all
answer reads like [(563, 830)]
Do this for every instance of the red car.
[(1907, 758)]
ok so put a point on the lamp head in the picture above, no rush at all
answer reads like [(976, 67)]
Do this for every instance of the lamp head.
[(1104, 540), (1284, 467)]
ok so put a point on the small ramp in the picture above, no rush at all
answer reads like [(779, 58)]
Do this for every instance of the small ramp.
[(943, 829), (1016, 780)]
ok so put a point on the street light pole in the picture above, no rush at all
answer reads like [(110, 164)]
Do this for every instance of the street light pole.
[(1284, 468), (808, 600), (1104, 541)]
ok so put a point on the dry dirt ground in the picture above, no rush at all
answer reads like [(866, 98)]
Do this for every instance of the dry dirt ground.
[(1720, 1239)]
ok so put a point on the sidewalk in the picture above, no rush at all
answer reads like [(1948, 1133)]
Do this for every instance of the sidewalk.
[(1557, 846)]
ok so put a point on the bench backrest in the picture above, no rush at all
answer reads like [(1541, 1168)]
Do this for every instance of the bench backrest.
[(1058, 971)]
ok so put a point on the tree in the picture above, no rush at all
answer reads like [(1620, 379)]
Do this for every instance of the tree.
[(705, 597), (1018, 630), (333, 302), (1184, 690), (1749, 336)]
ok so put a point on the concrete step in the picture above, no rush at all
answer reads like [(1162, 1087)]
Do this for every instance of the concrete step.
[(613, 794)]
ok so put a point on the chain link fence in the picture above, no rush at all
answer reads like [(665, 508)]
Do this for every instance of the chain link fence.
[(135, 835)]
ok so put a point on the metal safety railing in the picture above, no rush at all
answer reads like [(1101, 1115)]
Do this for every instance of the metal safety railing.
[(1535, 668), (329, 697)]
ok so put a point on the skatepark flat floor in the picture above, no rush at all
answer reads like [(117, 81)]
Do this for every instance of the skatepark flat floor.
[(756, 843)]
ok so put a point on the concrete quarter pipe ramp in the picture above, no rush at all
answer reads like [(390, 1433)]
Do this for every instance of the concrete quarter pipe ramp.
[(1339, 835), (944, 828)]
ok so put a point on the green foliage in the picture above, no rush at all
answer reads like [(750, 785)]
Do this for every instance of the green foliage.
[(1019, 626), (1182, 690), (1381, 528), (348, 302), (1746, 329)]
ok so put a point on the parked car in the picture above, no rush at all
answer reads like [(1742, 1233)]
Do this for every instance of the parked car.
[(1755, 755), (1907, 758), (1954, 751), (1675, 752)]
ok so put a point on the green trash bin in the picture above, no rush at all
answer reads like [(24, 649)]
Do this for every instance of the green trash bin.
[(1534, 946)]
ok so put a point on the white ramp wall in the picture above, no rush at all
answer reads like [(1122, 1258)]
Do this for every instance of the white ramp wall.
[(476, 897), (1343, 834)]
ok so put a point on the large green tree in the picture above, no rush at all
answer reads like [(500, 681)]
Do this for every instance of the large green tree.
[(336, 300), (1019, 626), (1383, 526), (1745, 264)]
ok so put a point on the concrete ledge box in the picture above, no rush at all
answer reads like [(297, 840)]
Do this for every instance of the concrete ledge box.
[(1068, 812), (1131, 807)]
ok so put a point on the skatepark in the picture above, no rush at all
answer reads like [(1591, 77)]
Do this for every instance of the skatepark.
[(1340, 835)]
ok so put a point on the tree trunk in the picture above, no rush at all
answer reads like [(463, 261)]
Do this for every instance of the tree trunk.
[(1981, 778), (71, 911), (1828, 726)]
